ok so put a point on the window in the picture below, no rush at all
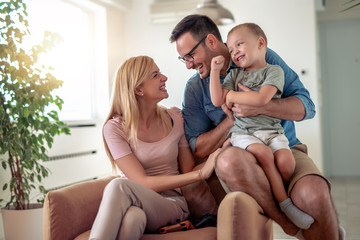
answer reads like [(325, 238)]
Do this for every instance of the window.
[(80, 59)]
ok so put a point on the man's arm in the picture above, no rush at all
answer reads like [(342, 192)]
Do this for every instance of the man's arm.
[(293, 87), (290, 108), (295, 104), (209, 141), (206, 126)]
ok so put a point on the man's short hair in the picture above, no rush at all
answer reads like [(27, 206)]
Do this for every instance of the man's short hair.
[(198, 25)]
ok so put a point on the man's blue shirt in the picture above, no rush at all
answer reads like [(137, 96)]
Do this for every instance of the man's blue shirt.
[(201, 115)]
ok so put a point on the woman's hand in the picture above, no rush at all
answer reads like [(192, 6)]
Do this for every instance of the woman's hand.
[(209, 165)]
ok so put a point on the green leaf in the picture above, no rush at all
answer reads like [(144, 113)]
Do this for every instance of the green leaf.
[(26, 112), (350, 7), (3, 163)]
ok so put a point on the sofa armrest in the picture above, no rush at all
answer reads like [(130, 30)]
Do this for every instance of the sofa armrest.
[(241, 217), (71, 210)]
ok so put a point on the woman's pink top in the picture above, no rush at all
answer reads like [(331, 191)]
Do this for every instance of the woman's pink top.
[(157, 158)]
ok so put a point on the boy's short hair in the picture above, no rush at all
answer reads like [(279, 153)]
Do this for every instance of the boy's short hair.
[(252, 27)]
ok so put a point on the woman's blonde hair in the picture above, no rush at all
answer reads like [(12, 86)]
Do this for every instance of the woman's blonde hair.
[(131, 74)]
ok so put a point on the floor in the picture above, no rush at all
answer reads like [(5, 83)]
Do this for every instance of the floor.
[(346, 196)]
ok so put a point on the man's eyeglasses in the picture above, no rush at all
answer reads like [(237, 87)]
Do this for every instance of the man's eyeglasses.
[(188, 57)]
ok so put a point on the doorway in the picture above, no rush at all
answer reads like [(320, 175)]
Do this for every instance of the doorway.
[(340, 85)]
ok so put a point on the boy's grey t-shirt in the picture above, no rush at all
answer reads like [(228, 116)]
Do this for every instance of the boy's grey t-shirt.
[(268, 75)]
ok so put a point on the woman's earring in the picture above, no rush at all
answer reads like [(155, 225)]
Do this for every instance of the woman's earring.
[(139, 92)]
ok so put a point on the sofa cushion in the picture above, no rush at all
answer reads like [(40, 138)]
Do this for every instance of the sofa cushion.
[(208, 233), (199, 199), (75, 205), (239, 206)]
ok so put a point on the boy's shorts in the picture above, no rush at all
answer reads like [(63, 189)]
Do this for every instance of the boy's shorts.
[(274, 140)]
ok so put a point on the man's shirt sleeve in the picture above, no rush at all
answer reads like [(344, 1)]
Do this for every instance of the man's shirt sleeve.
[(293, 86), (196, 121)]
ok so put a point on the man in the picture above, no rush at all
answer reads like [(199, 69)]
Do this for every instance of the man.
[(197, 41)]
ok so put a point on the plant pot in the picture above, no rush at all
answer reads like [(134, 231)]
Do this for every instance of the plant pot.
[(23, 224)]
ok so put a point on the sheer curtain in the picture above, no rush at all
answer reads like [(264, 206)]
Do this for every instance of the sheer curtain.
[(76, 59)]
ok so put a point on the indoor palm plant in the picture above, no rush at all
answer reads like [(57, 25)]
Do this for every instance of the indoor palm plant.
[(27, 127)]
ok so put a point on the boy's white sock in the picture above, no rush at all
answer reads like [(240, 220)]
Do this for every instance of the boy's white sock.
[(298, 217)]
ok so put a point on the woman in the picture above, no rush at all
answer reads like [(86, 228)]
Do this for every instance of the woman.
[(147, 143)]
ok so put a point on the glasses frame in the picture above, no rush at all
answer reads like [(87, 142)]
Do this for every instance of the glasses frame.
[(182, 59)]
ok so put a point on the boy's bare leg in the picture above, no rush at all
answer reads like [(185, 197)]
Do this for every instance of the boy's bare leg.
[(266, 160)]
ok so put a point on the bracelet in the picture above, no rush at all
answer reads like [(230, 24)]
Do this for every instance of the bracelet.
[(202, 178)]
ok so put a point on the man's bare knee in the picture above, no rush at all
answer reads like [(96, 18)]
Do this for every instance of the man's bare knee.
[(235, 166), (305, 195), (233, 156)]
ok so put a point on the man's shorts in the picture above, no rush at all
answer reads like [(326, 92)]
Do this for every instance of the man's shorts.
[(272, 139), (304, 166)]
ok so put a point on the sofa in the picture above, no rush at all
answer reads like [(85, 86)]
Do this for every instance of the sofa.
[(69, 212)]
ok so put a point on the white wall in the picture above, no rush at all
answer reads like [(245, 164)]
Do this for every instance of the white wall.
[(291, 29)]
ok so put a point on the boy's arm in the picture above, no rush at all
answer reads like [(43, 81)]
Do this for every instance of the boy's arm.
[(288, 108), (252, 98), (218, 94)]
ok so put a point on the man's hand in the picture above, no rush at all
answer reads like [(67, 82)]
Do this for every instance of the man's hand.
[(228, 112), (244, 88), (242, 110), (245, 110)]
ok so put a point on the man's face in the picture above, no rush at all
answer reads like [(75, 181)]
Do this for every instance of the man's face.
[(200, 58)]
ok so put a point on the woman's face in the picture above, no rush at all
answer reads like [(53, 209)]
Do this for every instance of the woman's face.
[(154, 88)]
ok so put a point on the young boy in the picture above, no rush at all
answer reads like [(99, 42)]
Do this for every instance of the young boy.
[(261, 135)]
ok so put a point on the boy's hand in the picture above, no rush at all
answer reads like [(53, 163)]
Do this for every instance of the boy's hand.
[(217, 63), (229, 103)]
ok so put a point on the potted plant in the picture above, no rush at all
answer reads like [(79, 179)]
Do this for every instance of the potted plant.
[(28, 126)]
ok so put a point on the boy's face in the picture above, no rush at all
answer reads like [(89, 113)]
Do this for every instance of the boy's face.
[(244, 48)]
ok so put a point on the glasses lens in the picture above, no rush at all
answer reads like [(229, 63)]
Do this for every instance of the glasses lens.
[(182, 59), (186, 58)]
